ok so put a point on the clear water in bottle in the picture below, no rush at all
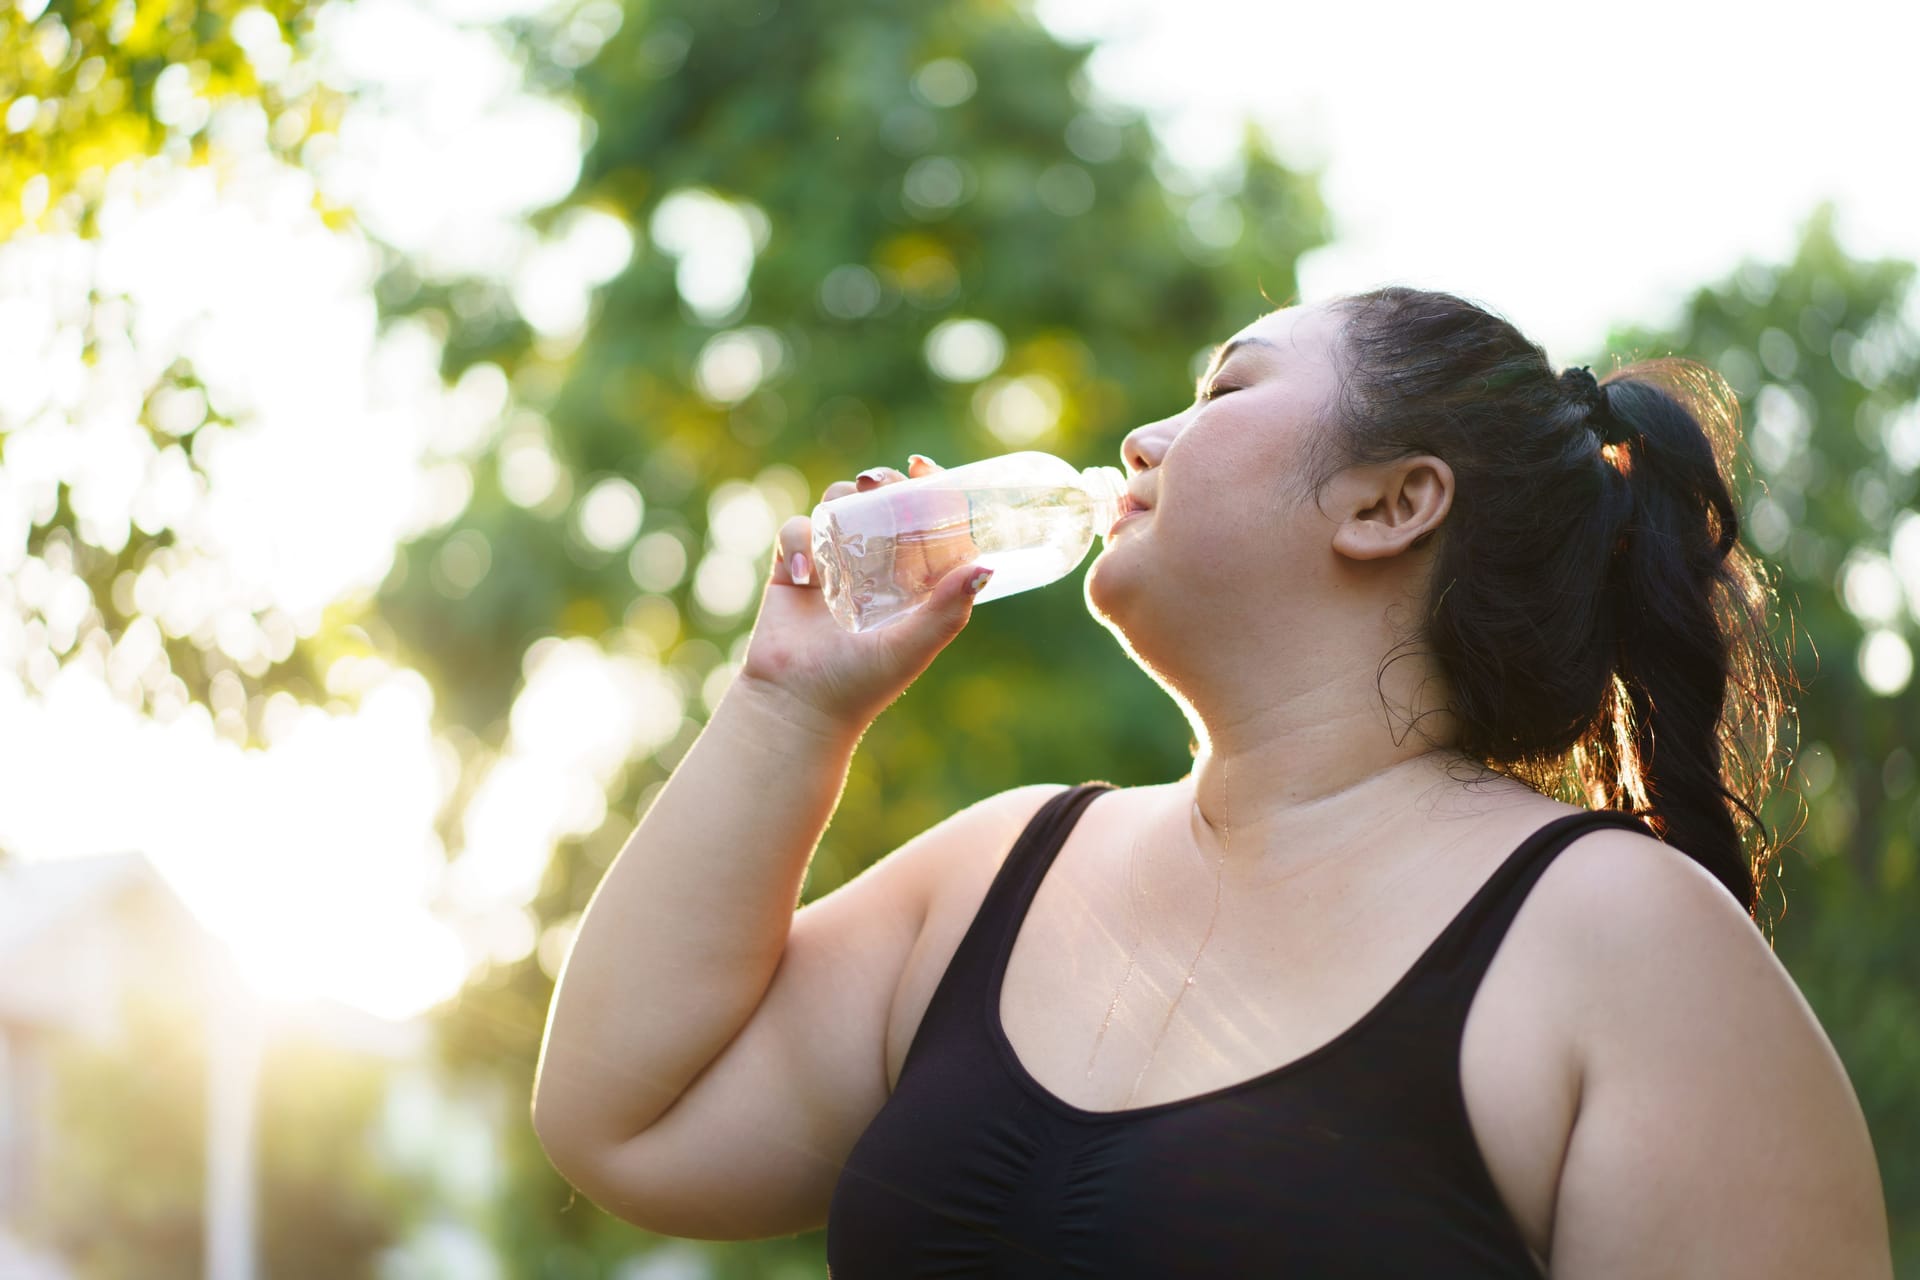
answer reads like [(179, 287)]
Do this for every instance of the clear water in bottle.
[(1028, 516)]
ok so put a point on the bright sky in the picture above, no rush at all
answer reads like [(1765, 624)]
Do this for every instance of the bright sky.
[(1570, 165), (1569, 169)]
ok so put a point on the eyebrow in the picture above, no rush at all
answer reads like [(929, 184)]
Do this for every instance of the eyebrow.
[(1219, 357)]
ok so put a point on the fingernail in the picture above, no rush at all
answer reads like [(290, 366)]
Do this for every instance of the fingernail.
[(875, 474), (978, 580), (797, 565), (920, 457)]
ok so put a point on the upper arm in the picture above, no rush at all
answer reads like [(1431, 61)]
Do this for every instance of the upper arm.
[(1717, 1133), (754, 1146)]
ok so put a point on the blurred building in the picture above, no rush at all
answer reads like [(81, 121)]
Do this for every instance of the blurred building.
[(82, 941)]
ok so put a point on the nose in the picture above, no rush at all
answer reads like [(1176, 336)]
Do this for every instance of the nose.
[(1145, 445)]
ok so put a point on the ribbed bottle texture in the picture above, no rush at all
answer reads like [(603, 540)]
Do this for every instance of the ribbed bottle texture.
[(1028, 516)]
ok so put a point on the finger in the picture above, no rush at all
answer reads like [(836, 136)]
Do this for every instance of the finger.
[(920, 464), (838, 489), (874, 477), (796, 539), (946, 611)]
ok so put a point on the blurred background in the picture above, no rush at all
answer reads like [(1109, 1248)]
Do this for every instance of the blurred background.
[(398, 399)]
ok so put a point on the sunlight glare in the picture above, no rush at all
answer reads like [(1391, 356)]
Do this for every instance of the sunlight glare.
[(581, 716), (315, 860)]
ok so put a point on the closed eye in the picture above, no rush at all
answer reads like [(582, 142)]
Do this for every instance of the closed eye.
[(1217, 390)]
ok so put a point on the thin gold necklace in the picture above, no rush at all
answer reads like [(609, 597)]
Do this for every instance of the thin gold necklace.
[(1133, 955)]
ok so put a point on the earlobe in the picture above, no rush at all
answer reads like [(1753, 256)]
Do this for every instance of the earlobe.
[(1365, 538)]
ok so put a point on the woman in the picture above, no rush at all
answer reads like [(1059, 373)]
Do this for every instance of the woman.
[(1356, 997)]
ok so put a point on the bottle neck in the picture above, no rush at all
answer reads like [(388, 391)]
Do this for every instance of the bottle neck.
[(1107, 486)]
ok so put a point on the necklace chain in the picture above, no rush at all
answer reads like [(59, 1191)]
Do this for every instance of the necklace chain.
[(1180, 993)]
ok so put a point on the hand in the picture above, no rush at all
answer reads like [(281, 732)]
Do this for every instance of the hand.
[(800, 655)]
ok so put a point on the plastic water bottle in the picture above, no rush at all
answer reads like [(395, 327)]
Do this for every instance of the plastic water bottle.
[(1028, 516)]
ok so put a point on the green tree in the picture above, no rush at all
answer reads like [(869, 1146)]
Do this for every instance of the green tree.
[(94, 91), (90, 84), (1824, 354), (893, 169), (329, 1204), (124, 1185)]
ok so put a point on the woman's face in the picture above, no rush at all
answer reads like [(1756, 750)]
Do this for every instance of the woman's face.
[(1227, 522)]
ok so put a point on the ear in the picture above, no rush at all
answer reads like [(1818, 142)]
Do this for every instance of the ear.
[(1386, 508)]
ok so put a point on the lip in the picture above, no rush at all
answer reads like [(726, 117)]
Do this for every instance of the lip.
[(1125, 516)]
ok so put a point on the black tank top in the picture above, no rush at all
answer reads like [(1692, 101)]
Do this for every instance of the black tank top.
[(1356, 1160)]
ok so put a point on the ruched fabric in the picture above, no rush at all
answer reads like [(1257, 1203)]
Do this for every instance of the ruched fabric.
[(1357, 1160)]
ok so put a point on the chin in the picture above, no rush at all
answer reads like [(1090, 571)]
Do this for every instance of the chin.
[(1122, 619), (1110, 591)]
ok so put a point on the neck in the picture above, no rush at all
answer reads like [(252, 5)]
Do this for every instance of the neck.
[(1278, 790)]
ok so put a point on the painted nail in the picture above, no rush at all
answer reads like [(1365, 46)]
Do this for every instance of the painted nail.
[(920, 457), (874, 474), (978, 580), (797, 565)]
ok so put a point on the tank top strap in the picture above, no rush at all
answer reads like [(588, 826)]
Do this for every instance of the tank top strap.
[(953, 1012), (1451, 970), (1019, 877), (982, 949)]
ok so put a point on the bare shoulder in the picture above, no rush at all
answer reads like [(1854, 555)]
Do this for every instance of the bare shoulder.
[(1647, 933), (1717, 1132), (1616, 888), (970, 864), (930, 863), (1016, 806), (997, 822)]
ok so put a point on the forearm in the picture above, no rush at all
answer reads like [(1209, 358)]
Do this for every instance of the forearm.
[(684, 932)]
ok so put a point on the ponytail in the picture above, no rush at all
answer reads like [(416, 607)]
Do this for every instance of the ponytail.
[(1688, 608), (1603, 634)]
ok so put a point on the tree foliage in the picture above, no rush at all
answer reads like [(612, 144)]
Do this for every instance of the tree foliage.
[(97, 97), (91, 84)]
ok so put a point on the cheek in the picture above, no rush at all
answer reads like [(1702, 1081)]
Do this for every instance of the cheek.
[(1241, 512), (1238, 472)]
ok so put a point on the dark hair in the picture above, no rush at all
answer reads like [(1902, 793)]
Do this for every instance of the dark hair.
[(1603, 634)]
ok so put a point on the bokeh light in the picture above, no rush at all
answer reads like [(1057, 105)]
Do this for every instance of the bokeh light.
[(1019, 411), (1886, 662), (964, 349), (714, 241), (610, 514)]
